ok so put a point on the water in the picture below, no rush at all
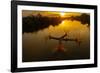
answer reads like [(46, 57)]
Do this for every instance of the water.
[(38, 47)]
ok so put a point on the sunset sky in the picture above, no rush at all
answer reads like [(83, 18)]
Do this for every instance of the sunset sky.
[(49, 13)]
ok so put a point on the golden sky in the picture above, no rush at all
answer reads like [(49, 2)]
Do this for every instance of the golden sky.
[(49, 13)]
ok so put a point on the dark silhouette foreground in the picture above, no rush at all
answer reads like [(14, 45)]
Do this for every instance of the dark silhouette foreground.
[(39, 22)]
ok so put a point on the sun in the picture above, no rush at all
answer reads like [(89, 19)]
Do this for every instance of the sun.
[(62, 14)]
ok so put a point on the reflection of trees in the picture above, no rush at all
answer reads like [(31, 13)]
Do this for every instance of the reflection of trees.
[(39, 22)]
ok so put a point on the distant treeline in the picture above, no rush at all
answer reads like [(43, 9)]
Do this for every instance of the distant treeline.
[(39, 22), (35, 23), (84, 18)]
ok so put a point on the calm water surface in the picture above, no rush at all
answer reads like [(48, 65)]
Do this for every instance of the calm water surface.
[(37, 46)]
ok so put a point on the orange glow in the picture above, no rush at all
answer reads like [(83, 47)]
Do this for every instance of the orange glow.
[(62, 14)]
